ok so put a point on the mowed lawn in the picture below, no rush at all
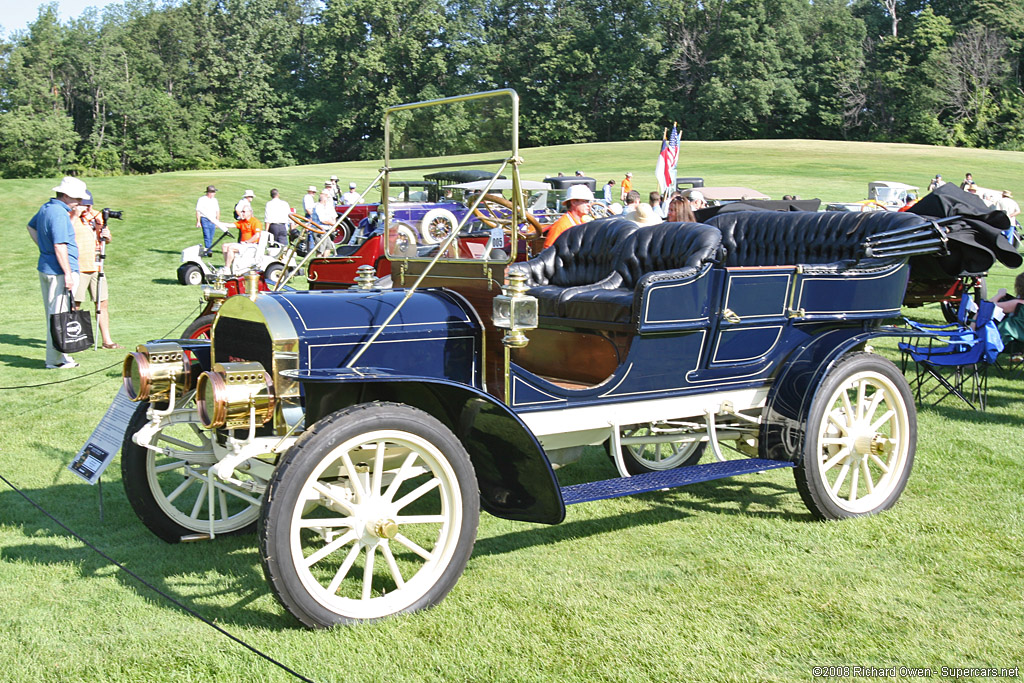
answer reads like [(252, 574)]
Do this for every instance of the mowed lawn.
[(729, 580)]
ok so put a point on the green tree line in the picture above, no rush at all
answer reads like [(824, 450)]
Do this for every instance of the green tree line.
[(194, 84)]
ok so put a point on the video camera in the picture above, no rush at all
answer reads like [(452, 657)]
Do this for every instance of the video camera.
[(110, 213)]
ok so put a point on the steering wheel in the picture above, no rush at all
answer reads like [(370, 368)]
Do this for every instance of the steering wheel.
[(599, 210), (307, 224), (499, 214)]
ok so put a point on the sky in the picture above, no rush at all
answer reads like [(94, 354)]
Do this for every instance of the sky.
[(16, 15)]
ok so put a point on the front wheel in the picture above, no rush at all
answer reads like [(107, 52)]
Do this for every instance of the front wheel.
[(172, 491), (860, 439), (272, 273), (200, 327), (190, 274), (373, 512)]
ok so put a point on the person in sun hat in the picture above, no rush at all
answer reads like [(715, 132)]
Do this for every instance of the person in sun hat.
[(309, 201), (244, 202), (577, 210), (627, 185), (52, 232)]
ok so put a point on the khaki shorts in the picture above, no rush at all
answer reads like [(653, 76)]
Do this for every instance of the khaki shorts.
[(93, 285)]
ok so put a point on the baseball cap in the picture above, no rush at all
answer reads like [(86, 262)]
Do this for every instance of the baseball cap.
[(87, 199), (696, 196), (351, 186)]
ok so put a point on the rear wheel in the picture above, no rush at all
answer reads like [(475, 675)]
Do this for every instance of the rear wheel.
[(272, 273), (659, 456), (860, 439), (373, 512)]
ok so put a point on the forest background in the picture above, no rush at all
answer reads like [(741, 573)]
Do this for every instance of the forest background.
[(146, 87)]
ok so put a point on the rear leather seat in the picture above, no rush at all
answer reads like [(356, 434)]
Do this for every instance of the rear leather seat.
[(779, 238)]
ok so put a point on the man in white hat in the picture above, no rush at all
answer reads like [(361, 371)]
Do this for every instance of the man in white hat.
[(309, 201), (350, 197), (244, 203), (577, 210), (52, 232), (696, 199), (627, 185)]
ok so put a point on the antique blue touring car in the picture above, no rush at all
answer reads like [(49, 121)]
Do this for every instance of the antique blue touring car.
[(362, 430)]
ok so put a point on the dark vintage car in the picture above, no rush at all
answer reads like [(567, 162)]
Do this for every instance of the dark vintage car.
[(362, 430)]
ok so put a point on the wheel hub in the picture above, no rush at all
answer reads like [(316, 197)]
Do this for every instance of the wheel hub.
[(383, 528)]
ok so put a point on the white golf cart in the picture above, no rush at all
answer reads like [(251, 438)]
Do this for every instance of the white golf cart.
[(263, 255)]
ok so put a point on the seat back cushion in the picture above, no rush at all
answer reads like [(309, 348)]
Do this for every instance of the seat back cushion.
[(775, 238), (584, 253), (668, 246)]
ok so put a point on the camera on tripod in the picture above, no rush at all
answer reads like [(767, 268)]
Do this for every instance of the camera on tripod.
[(110, 213)]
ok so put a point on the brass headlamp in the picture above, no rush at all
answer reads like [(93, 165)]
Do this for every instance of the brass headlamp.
[(151, 370), (227, 395)]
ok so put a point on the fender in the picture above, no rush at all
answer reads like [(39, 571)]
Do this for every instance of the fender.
[(784, 423), (514, 475)]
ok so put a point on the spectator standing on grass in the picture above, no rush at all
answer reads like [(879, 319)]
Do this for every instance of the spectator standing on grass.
[(51, 230), (90, 234), (936, 182), (335, 188), (627, 185), (275, 215), (608, 189), (350, 197), (1010, 207), (208, 215), (309, 201)]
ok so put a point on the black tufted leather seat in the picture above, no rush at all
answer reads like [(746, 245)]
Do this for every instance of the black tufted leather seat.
[(580, 256), (598, 275), (669, 251), (773, 238)]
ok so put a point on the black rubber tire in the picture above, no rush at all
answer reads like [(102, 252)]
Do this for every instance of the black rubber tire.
[(200, 327), (812, 480), (190, 274), (135, 477), (284, 493)]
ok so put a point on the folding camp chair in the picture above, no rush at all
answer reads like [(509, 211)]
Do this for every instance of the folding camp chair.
[(957, 359)]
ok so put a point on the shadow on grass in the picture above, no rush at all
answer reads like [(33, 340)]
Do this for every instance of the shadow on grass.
[(121, 536), (723, 497), (15, 340), (22, 361), (154, 250), (165, 281)]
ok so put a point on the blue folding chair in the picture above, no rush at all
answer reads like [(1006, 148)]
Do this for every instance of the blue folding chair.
[(956, 356)]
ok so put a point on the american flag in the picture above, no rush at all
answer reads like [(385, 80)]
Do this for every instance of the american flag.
[(665, 170)]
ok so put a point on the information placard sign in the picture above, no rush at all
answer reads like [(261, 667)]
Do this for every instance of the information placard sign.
[(99, 451)]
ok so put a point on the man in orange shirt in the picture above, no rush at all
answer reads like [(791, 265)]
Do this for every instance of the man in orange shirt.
[(577, 210), (249, 228), (627, 185)]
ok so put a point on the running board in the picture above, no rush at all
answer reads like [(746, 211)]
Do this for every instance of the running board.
[(656, 481)]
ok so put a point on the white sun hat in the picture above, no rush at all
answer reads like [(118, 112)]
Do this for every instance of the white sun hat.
[(578, 192), (72, 187)]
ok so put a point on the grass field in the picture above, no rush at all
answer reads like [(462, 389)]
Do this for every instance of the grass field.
[(729, 580)]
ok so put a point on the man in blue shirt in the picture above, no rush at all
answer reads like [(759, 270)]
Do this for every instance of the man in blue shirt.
[(51, 230)]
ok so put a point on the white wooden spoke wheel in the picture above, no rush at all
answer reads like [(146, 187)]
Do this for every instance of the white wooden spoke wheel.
[(860, 440), (173, 491), (364, 523)]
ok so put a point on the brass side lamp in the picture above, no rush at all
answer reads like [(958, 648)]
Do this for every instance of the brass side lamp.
[(515, 311)]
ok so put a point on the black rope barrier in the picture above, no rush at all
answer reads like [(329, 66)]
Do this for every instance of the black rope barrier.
[(176, 603), (76, 377)]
